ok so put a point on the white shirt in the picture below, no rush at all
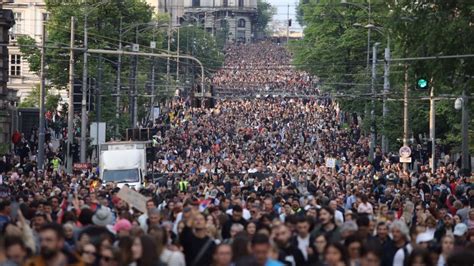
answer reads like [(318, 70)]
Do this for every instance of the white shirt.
[(142, 221), (441, 260), (399, 258), (365, 208), (172, 258), (245, 213), (303, 244), (339, 216)]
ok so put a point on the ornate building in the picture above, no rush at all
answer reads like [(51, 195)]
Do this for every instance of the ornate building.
[(233, 18)]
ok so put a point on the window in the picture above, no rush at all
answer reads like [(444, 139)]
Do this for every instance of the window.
[(17, 28), (15, 65), (225, 3), (45, 16), (241, 3), (241, 23), (196, 3)]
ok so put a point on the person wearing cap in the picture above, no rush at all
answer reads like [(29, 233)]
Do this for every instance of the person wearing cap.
[(122, 227), (459, 233)]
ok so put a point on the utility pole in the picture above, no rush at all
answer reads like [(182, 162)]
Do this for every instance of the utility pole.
[(368, 36), (135, 85), (119, 70), (405, 113), (177, 59), (132, 92), (153, 63), (84, 97), (169, 50), (372, 111), (288, 25), (70, 122), (386, 89), (98, 93), (465, 135), (432, 130), (42, 123)]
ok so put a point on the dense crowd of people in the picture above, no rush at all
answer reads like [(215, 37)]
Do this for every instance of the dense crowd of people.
[(274, 181), (261, 68)]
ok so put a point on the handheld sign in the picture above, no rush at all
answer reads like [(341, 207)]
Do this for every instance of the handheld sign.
[(330, 162), (133, 198)]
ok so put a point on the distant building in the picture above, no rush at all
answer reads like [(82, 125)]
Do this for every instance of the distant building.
[(29, 18), (235, 18)]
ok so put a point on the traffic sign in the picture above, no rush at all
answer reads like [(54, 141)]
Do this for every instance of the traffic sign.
[(405, 159), (404, 152)]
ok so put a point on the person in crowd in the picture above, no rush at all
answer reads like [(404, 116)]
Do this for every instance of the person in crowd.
[(281, 178), (89, 255), (335, 255), (419, 257), (401, 238), (235, 218), (15, 251), (144, 252), (222, 255), (198, 247), (52, 252), (327, 225)]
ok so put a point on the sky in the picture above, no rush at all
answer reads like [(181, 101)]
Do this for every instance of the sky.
[(282, 12)]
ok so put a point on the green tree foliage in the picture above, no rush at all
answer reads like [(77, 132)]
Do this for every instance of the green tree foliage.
[(32, 100), (336, 51), (196, 42), (265, 12), (108, 22)]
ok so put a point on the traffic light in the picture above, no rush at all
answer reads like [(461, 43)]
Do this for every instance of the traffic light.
[(422, 84)]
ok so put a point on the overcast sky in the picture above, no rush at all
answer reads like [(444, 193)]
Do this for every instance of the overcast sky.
[(282, 12)]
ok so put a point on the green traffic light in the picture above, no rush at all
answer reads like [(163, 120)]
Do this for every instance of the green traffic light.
[(422, 83)]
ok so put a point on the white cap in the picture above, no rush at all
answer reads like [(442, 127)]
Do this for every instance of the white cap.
[(424, 237), (460, 229)]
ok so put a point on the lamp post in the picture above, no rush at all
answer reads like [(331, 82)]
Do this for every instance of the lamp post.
[(461, 104), (372, 112)]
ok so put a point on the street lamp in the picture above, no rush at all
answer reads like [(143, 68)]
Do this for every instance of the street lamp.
[(460, 104), (386, 83), (372, 113)]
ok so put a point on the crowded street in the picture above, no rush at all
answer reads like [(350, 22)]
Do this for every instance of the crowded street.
[(237, 143)]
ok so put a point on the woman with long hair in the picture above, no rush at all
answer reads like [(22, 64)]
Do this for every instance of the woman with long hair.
[(144, 251), (447, 246), (125, 245), (320, 242), (240, 247), (419, 257), (335, 254), (160, 234)]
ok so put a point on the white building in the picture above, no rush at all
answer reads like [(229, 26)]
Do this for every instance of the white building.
[(29, 17)]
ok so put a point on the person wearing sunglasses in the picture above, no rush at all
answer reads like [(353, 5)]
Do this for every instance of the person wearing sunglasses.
[(89, 255), (108, 257)]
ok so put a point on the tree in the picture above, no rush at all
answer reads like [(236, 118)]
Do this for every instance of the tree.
[(33, 99), (196, 42), (335, 50), (265, 12)]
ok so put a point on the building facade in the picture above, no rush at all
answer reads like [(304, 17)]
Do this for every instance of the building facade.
[(29, 18), (234, 18)]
